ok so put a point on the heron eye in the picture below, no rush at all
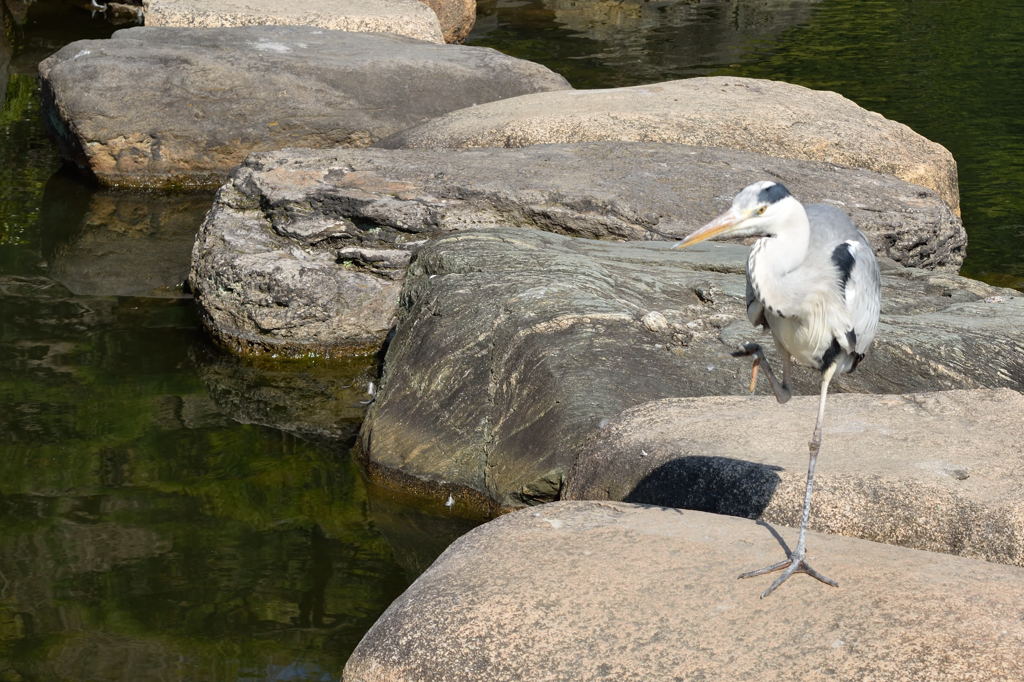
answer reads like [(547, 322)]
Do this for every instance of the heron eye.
[(761, 210)]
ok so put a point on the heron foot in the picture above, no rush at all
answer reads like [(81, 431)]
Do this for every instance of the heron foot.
[(788, 567), (781, 390), (749, 349)]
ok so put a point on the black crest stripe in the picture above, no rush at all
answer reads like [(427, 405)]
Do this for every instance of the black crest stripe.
[(772, 193)]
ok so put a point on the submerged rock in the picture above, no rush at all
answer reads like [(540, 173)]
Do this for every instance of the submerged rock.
[(611, 591), (349, 219), (408, 18), (514, 346), (769, 117), (176, 107)]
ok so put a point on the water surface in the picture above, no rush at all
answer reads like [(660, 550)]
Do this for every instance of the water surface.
[(167, 512)]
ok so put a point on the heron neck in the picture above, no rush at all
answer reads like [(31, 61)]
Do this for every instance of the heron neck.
[(788, 247)]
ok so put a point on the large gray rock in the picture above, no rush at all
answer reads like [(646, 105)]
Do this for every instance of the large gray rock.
[(941, 471), (347, 219), (769, 117), (513, 346), (180, 107), (604, 591), (409, 18)]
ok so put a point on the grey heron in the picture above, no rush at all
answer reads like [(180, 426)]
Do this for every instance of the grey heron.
[(813, 281)]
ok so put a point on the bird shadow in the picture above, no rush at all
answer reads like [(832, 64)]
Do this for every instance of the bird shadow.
[(719, 485)]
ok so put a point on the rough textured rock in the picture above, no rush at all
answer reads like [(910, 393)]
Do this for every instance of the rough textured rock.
[(180, 106), (940, 471), (513, 346), (402, 17), (361, 210), (769, 117), (455, 16), (592, 591)]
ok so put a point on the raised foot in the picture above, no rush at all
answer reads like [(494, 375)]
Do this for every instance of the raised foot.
[(788, 568), (749, 349)]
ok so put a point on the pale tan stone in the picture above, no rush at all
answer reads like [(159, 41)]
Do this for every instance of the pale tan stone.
[(942, 471), (609, 591), (403, 17), (456, 17), (770, 117)]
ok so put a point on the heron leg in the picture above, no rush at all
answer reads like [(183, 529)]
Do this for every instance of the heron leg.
[(781, 390), (796, 562)]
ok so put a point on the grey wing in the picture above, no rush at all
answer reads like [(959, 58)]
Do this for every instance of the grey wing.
[(863, 292), (857, 268)]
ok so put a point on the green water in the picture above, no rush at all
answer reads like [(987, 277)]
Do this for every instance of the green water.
[(949, 69), (168, 512)]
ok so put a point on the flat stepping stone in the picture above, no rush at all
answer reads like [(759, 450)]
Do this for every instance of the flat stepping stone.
[(409, 18), (609, 591), (180, 107), (305, 250), (514, 347), (941, 471), (769, 117)]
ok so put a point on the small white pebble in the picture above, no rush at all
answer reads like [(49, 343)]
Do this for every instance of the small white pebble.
[(643, 453), (654, 321)]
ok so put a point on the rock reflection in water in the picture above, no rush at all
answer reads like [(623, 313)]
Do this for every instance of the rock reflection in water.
[(610, 43), (319, 400), (111, 243), (146, 533)]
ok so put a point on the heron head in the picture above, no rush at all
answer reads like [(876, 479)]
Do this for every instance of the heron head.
[(756, 210)]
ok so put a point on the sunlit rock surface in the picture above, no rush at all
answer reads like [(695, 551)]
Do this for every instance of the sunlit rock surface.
[(939, 471), (612, 591), (180, 107), (305, 250), (769, 117), (513, 346), (455, 16), (402, 17)]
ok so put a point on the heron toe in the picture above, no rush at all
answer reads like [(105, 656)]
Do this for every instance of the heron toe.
[(788, 568)]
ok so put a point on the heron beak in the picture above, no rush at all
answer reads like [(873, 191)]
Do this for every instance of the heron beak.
[(716, 227)]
